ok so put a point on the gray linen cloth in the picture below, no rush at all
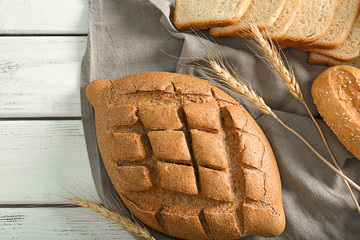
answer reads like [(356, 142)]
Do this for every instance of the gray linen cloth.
[(132, 36)]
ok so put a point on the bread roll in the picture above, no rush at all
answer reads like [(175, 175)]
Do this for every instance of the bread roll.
[(186, 158), (336, 94)]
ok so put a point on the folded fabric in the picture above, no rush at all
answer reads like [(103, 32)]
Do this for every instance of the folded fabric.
[(127, 37)]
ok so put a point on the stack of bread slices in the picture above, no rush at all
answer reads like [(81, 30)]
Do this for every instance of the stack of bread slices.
[(328, 29)]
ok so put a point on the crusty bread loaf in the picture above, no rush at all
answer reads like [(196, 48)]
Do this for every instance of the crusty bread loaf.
[(186, 158), (344, 19), (262, 13), (349, 49), (311, 22), (204, 14), (315, 58), (336, 94), (285, 19)]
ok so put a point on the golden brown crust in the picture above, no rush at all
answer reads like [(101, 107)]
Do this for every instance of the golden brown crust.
[(122, 115), (204, 25), (134, 178), (127, 141), (178, 178), (313, 59), (188, 177), (159, 117), (215, 184), (208, 149), (336, 94), (169, 145), (207, 120), (223, 224), (183, 226), (254, 184), (147, 216)]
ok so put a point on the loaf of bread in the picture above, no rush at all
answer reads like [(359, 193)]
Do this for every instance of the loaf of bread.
[(336, 94), (186, 158)]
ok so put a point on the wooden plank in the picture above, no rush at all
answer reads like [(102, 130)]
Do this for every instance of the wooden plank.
[(57, 223), (44, 17), (40, 76), (41, 160)]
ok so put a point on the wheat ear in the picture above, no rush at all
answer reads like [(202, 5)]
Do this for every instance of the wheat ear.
[(126, 223), (218, 68), (274, 61)]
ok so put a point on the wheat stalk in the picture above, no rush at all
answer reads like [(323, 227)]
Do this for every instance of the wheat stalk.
[(275, 63), (273, 59), (239, 86), (126, 223)]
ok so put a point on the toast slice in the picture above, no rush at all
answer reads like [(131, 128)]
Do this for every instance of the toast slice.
[(348, 50), (311, 22), (318, 59), (204, 14), (284, 20), (344, 19), (262, 13)]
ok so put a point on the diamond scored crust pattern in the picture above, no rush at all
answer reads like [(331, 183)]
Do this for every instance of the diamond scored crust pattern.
[(187, 153)]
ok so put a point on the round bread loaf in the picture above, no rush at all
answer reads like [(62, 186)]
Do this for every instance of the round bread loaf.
[(336, 94), (186, 158)]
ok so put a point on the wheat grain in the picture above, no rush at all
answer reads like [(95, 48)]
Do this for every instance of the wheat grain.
[(239, 86), (126, 223), (273, 59)]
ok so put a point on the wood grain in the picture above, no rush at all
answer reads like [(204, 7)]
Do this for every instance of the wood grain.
[(43, 17), (57, 223), (40, 76), (41, 160)]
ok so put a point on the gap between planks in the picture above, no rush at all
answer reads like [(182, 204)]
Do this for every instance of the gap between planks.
[(39, 206), (44, 35), (40, 118)]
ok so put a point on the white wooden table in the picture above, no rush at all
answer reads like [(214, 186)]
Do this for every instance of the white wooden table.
[(43, 157)]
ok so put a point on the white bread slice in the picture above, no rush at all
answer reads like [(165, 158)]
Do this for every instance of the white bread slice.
[(315, 58), (311, 22), (344, 19), (284, 20), (203, 14), (349, 49), (262, 13)]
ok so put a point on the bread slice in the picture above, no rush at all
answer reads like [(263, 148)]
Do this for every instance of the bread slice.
[(262, 13), (344, 19), (336, 95), (284, 20), (203, 14), (348, 50), (315, 58), (311, 22)]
